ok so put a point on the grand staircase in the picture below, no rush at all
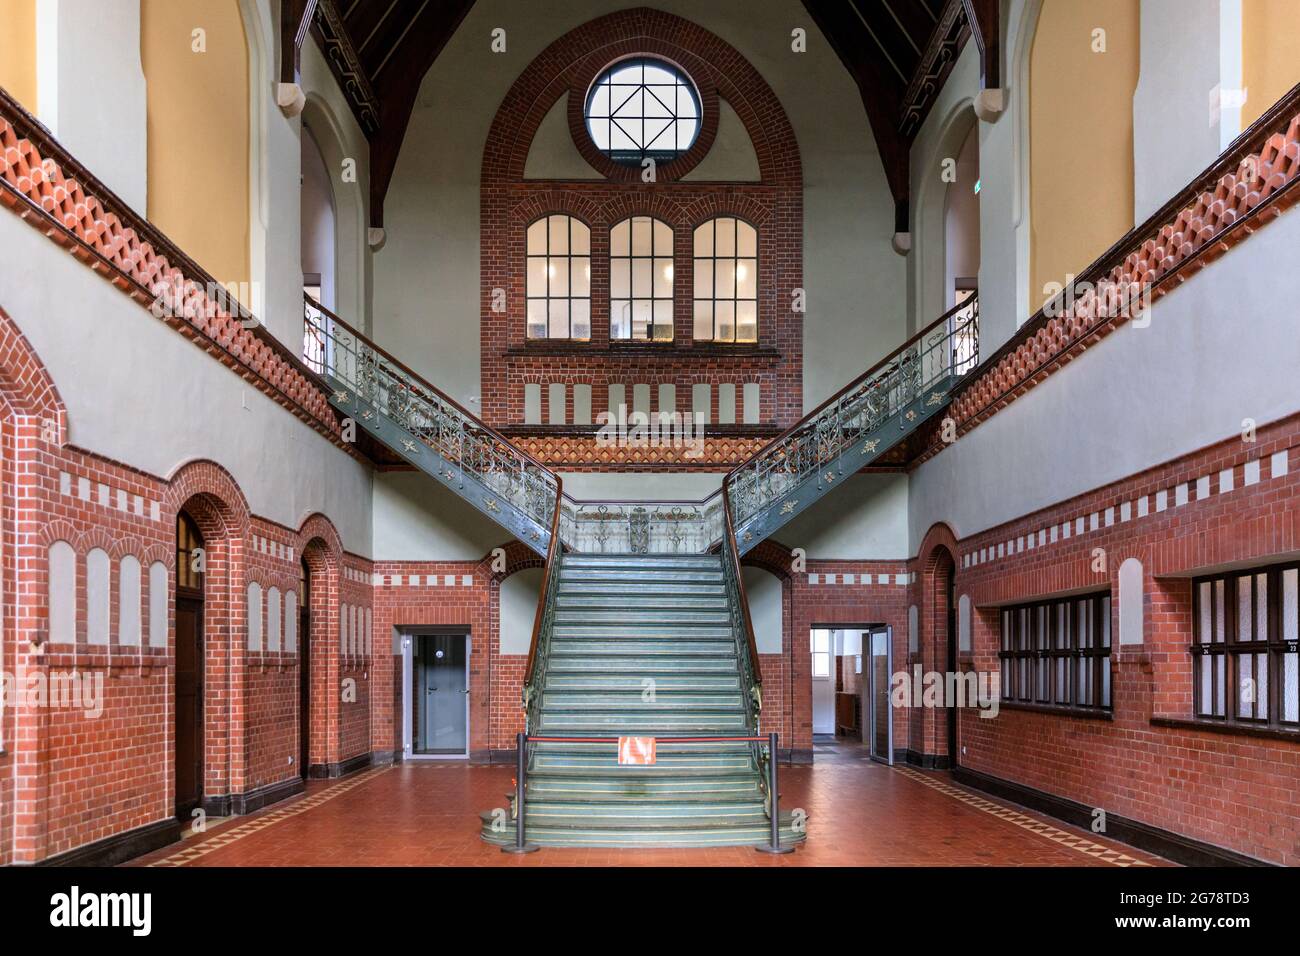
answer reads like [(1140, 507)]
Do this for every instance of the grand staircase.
[(643, 645), (652, 639)]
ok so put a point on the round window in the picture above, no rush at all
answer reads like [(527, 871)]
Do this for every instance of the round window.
[(643, 108)]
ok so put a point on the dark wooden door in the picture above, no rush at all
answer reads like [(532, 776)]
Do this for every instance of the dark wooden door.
[(189, 705), (304, 692), (953, 751)]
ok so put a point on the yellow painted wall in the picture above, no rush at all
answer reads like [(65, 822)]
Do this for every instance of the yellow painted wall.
[(1270, 41), (198, 130), (18, 50), (1080, 136)]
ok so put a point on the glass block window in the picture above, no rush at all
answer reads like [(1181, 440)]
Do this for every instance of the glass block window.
[(641, 280), (1057, 652), (726, 281), (643, 108), (559, 279), (1245, 658)]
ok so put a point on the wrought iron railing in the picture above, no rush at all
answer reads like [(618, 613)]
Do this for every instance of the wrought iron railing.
[(642, 527), (742, 632), (539, 647), (508, 479), (937, 356)]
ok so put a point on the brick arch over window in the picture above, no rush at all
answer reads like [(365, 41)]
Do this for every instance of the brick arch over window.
[(509, 202)]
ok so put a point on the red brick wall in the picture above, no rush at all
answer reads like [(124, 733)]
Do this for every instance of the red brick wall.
[(1228, 789), (509, 203)]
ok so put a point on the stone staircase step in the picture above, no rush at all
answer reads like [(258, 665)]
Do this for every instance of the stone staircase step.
[(614, 723), (626, 667), (562, 646), (643, 603), (557, 701), (661, 682)]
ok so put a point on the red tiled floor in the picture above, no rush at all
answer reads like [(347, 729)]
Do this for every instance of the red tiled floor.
[(859, 814)]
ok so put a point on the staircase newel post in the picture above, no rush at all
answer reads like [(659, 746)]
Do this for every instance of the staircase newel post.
[(774, 800), (521, 845)]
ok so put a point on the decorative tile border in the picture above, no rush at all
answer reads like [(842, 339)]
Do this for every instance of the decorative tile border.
[(882, 579), (424, 580), (1184, 493), (1024, 821), (106, 496), (224, 838)]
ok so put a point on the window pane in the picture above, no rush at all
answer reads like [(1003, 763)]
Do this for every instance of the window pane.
[(559, 235), (747, 279), (725, 237), (580, 283), (537, 318), (1261, 686), (746, 240), (663, 278), (703, 321), (557, 271), (1205, 608), (1261, 607), (620, 239), (620, 279), (537, 238), (641, 318), (559, 319), (746, 322), (581, 237), (724, 283), (581, 311), (663, 320), (1245, 612), (1291, 687), (663, 239), (703, 278), (641, 237), (704, 239), (642, 278), (620, 318), (536, 276), (1245, 684), (725, 321)]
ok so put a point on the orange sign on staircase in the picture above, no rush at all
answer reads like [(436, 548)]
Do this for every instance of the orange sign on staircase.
[(636, 750)]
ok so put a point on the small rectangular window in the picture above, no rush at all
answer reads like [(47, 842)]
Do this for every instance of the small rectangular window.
[(1057, 653)]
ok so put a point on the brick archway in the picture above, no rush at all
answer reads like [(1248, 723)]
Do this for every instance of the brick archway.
[(322, 552), (209, 494), (935, 590), (509, 202)]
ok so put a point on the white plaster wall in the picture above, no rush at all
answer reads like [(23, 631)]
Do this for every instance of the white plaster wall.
[(417, 519), (91, 89), (139, 393), (1218, 350), (518, 596), (865, 518), (764, 591), (1175, 133)]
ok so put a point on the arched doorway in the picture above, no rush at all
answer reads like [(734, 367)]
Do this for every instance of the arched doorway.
[(304, 669), (190, 564)]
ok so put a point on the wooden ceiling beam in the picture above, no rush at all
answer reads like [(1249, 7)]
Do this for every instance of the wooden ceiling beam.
[(336, 44), (982, 17), (295, 21)]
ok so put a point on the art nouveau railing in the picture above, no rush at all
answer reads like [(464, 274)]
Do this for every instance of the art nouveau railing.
[(854, 427), (642, 527), (430, 430), (742, 632)]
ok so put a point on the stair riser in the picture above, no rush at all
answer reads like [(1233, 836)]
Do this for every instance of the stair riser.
[(553, 701), (681, 649)]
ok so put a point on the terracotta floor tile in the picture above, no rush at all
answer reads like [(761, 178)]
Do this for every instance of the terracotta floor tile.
[(860, 813)]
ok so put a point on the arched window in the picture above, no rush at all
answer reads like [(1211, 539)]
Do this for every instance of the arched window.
[(726, 281), (128, 601), (189, 555), (98, 572), (641, 280), (273, 619), (559, 279), (63, 593), (642, 108), (254, 616)]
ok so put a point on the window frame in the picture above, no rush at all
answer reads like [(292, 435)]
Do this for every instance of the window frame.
[(735, 258), (548, 258), (1226, 680), (656, 260), (636, 157), (1040, 648)]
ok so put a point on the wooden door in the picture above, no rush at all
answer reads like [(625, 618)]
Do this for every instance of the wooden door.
[(189, 705)]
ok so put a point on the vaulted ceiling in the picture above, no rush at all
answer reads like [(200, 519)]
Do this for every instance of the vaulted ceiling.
[(899, 53)]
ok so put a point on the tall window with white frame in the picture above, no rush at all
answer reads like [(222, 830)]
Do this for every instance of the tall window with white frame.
[(1246, 647), (559, 279), (641, 280), (726, 281)]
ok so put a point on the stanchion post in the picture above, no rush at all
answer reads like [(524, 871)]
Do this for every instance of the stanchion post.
[(774, 800), (521, 844)]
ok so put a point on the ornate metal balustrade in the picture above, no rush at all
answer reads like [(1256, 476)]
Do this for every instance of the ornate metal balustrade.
[(642, 527), (430, 430), (854, 426)]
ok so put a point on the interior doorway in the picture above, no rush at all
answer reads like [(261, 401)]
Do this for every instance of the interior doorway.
[(435, 717), (189, 667), (880, 726), (841, 681)]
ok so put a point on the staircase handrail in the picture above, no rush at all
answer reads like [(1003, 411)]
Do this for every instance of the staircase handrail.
[(538, 649), (895, 380)]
